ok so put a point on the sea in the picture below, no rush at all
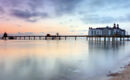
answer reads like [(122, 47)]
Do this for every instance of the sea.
[(61, 59)]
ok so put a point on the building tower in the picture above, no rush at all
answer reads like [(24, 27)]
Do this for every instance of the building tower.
[(118, 26), (114, 26)]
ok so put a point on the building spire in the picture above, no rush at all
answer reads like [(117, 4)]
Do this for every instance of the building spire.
[(114, 26), (117, 25)]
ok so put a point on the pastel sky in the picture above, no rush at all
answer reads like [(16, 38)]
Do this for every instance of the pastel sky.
[(63, 16)]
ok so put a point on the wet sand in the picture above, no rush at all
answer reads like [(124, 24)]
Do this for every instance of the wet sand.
[(123, 75)]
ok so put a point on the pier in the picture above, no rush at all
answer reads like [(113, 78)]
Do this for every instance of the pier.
[(65, 37)]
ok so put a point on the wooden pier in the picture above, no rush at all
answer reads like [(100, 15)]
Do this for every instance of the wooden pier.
[(65, 37)]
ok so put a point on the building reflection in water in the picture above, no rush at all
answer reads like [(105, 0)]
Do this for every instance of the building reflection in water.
[(106, 44)]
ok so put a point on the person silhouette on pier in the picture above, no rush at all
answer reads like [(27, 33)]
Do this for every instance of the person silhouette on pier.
[(5, 35)]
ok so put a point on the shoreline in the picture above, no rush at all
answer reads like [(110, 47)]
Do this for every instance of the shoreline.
[(122, 75)]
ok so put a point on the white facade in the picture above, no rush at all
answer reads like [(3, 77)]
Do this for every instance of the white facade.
[(107, 31)]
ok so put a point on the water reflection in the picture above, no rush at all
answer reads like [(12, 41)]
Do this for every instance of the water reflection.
[(107, 44), (59, 60)]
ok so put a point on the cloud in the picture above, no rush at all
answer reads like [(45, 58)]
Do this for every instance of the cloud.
[(78, 30), (1, 10), (18, 25), (95, 19), (28, 15), (125, 18), (104, 11), (34, 10), (27, 9), (65, 6), (97, 5)]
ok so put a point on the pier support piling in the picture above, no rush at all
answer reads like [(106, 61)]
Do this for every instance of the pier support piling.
[(75, 38)]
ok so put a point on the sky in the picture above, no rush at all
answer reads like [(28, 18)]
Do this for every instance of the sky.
[(62, 16)]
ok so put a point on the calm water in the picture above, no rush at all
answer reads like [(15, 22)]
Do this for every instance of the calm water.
[(61, 60)]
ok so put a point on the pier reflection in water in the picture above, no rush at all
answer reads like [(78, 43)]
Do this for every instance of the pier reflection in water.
[(60, 60)]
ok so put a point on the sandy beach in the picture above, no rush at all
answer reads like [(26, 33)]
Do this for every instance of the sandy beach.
[(123, 75)]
